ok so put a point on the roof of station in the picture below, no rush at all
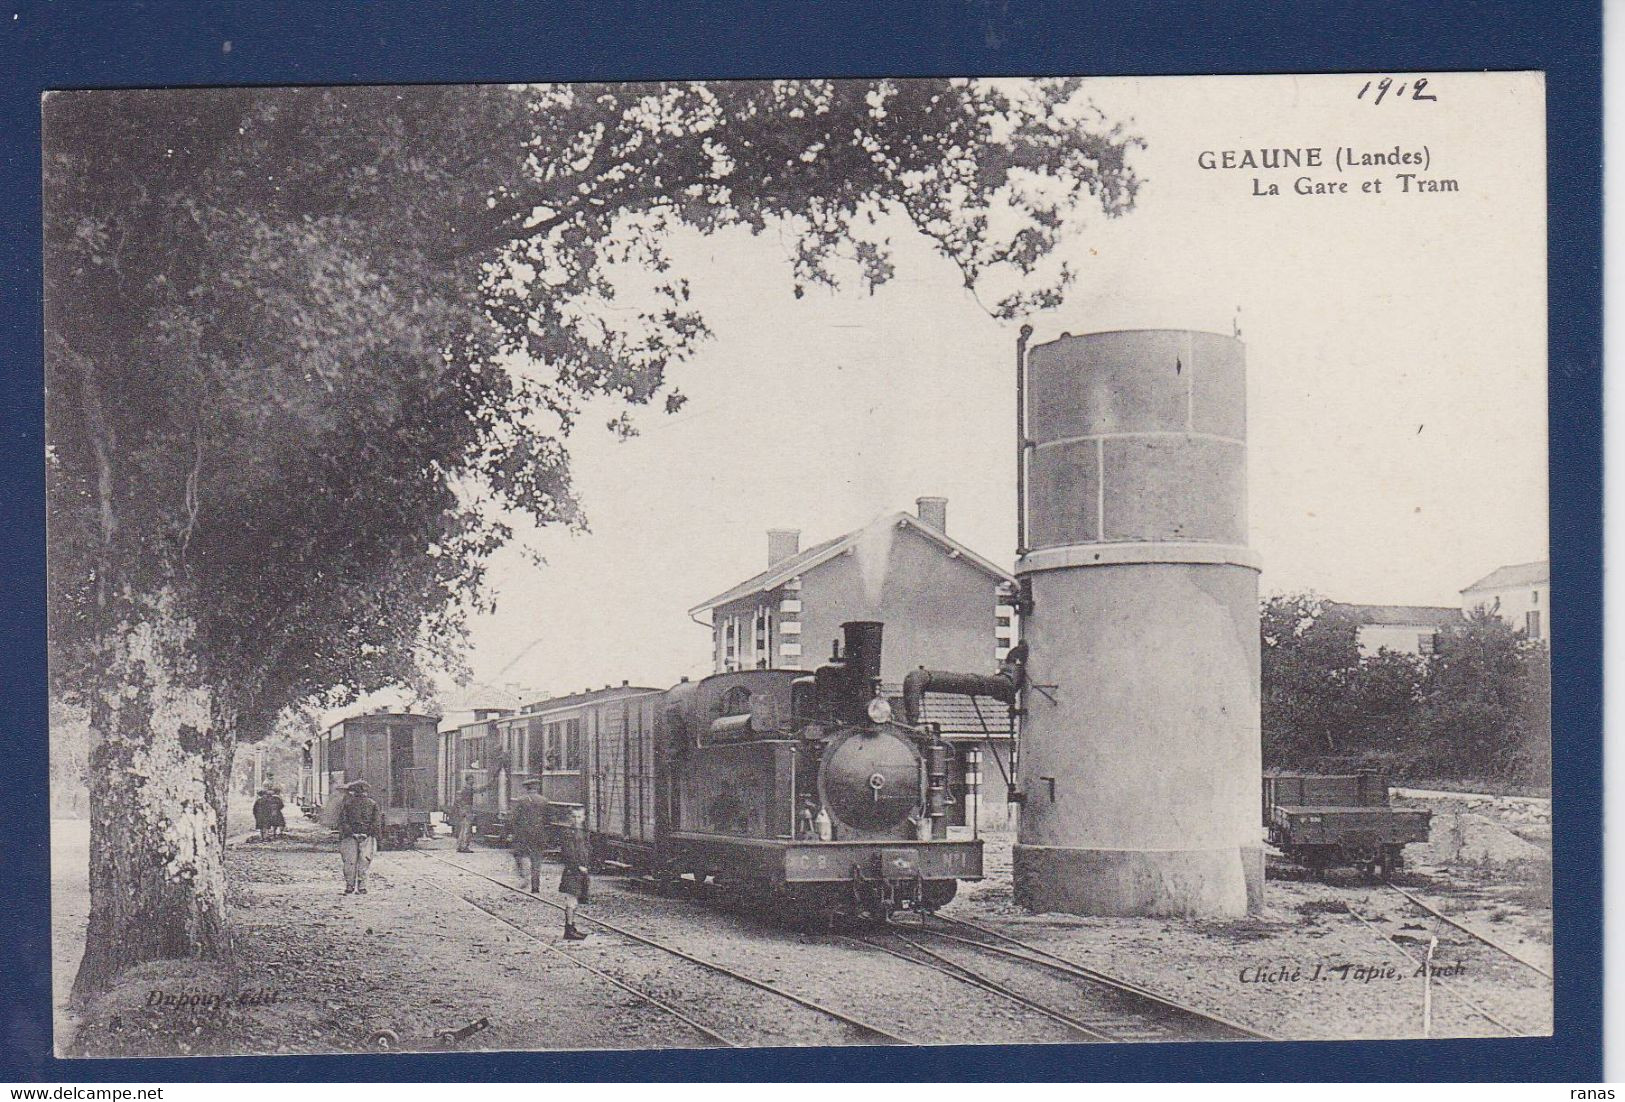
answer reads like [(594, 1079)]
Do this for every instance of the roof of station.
[(818, 554)]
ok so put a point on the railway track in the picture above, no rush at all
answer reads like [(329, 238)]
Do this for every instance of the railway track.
[(868, 1031), (920, 955), (644, 996), (1468, 930), (1116, 1010), (1438, 982)]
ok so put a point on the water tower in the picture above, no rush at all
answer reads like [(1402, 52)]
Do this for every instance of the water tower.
[(1140, 751)]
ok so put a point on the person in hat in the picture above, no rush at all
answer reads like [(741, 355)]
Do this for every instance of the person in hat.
[(279, 821), (575, 853), (360, 826), (528, 826), (262, 814)]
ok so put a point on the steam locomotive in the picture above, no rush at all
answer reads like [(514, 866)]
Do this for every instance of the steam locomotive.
[(803, 790)]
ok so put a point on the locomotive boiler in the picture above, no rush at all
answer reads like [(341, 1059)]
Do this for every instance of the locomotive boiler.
[(803, 791)]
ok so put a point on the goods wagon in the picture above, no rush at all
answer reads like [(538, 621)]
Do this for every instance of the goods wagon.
[(394, 752), (1324, 820)]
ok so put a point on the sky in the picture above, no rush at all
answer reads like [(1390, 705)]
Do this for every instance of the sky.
[(1396, 360)]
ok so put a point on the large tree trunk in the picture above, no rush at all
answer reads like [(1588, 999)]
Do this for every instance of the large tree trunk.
[(159, 765)]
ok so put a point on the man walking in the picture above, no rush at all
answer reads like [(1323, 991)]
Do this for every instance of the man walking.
[(575, 851), (528, 826), (262, 814), (360, 824), (279, 821)]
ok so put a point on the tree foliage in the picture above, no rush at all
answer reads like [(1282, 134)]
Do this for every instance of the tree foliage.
[(307, 347), (283, 323), (1478, 708)]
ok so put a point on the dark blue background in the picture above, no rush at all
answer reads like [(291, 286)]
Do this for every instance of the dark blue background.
[(95, 45)]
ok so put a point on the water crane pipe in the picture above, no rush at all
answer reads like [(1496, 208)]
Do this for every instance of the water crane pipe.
[(920, 682), (1022, 443)]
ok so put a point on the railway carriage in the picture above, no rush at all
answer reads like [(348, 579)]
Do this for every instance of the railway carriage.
[(548, 740), (394, 752)]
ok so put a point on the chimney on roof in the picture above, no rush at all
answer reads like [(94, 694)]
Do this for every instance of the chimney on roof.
[(933, 511), (782, 543)]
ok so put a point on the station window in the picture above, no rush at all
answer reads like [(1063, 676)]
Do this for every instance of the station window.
[(1532, 625)]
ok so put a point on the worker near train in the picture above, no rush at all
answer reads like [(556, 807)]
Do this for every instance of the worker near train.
[(462, 814), (360, 825), (527, 824), (575, 853)]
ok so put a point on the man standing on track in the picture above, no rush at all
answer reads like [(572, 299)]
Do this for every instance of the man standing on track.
[(575, 851), (528, 826), (360, 825), (462, 815)]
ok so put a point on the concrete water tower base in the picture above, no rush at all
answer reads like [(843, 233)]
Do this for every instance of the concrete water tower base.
[(1172, 883)]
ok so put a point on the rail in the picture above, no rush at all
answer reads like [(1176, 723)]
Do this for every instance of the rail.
[(1468, 930), (863, 1027), (703, 1030), (1421, 963), (1163, 1007), (938, 963)]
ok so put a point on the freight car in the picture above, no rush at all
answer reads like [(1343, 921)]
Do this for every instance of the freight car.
[(1320, 821), (801, 790), (498, 752), (394, 753)]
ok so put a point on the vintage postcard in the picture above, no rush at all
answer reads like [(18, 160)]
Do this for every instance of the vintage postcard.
[(798, 562)]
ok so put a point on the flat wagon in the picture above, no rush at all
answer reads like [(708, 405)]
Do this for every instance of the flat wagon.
[(1323, 820)]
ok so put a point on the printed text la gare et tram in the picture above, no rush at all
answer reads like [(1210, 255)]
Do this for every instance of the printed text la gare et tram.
[(1317, 170)]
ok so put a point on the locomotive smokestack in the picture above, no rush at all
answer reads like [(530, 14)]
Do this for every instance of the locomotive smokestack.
[(863, 654)]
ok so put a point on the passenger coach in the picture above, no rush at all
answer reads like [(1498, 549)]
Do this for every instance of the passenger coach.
[(549, 740)]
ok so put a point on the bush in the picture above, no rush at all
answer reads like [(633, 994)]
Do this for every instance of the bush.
[(1478, 709)]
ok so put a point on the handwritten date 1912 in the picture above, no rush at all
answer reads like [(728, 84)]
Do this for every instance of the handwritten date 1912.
[(1384, 86)]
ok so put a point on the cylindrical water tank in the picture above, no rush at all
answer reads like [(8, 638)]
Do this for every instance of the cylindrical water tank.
[(1140, 754)]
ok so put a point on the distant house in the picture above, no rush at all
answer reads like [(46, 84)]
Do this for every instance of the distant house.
[(1520, 595), (940, 603), (476, 702), (1405, 629)]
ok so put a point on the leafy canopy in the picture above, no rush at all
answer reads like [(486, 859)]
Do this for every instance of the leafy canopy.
[(308, 346), (1477, 708)]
